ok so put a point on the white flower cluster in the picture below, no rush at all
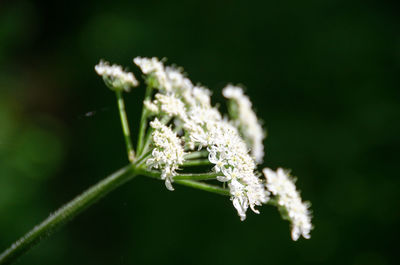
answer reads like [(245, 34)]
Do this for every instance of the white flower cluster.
[(170, 105), (185, 121), (168, 152), (229, 153), (115, 77), (169, 79), (282, 186), (247, 121), (204, 127)]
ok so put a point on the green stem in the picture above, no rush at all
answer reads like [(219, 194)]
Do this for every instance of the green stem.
[(198, 162), (66, 213), (147, 140), (190, 180), (143, 121), (142, 159), (197, 154), (178, 128), (204, 186), (273, 201), (199, 176), (125, 126)]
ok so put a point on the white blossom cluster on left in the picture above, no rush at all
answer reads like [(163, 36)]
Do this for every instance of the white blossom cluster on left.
[(115, 77)]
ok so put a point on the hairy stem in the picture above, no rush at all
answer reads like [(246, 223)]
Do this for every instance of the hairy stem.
[(125, 126), (66, 213)]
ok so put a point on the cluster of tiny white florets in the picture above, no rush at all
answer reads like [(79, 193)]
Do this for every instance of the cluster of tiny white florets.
[(283, 187), (115, 76), (229, 153), (247, 121), (168, 152), (234, 147), (170, 105), (204, 127), (169, 79)]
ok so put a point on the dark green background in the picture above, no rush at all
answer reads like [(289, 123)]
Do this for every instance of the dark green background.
[(323, 75)]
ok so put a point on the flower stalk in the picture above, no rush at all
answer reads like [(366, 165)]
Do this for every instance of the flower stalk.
[(125, 126), (143, 121), (197, 162)]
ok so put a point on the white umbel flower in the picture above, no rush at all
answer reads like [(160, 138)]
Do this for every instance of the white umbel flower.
[(115, 77), (171, 105), (247, 121), (282, 186), (203, 127), (168, 152), (229, 153), (202, 96), (150, 106), (149, 65), (169, 79)]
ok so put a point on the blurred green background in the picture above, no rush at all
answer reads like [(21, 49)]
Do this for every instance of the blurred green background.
[(323, 75)]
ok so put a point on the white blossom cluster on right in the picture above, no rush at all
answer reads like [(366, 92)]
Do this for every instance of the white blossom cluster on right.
[(282, 186), (247, 121)]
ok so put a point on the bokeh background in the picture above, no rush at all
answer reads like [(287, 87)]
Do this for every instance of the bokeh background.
[(322, 75)]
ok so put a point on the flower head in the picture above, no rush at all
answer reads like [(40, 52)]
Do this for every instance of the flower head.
[(234, 147), (171, 105), (115, 77), (246, 120), (168, 152), (281, 185)]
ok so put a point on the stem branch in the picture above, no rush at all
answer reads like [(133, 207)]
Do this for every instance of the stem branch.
[(198, 162), (197, 154), (143, 121), (204, 186), (125, 126), (185, 176)]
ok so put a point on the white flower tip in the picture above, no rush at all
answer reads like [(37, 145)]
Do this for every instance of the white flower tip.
[(168, 185), (150, 106), (246, 121), (149, 65), (295, 236), (282, 185), (115, 77), (231, 91)]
